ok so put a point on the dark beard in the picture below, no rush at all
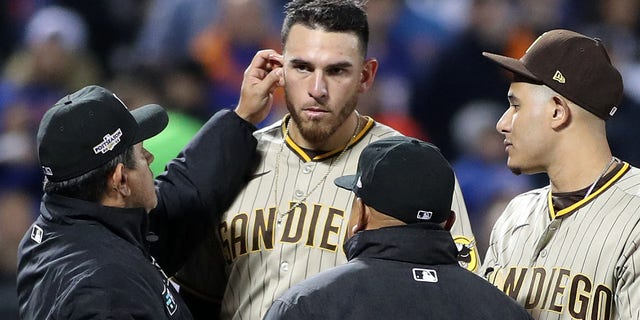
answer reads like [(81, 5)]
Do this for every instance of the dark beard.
[(315, 132)]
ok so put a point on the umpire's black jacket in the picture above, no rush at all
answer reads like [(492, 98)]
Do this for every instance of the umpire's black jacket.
[(404, 272), (109, 272)]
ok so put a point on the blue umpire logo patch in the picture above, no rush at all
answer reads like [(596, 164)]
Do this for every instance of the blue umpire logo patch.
[(169, 301)]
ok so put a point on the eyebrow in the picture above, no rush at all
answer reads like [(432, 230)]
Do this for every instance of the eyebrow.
[(341, 65)]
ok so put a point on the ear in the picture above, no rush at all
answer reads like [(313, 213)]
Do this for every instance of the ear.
[(448, 224), (362, 216), (368, 74), (119, 181), (561, 116)]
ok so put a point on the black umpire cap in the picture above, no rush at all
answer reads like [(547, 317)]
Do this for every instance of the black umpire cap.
[(404, 178), (89, 127)]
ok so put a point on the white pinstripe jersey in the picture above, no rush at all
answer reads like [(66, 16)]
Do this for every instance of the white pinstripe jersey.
[(264, 258), (581, 262)]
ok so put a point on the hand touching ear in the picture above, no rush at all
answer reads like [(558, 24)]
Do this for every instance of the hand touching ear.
[(261, 78)]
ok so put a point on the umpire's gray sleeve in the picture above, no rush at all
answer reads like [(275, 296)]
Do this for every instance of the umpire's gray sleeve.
[(198, 186)]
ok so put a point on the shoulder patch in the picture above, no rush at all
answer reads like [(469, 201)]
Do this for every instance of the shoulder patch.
[(467, 253), (37, 233)]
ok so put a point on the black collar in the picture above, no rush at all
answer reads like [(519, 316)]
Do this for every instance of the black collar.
[(420, 243), (128, 223)]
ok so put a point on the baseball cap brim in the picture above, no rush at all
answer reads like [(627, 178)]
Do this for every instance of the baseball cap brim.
[(346, 182), (511, 64), (151, 119)]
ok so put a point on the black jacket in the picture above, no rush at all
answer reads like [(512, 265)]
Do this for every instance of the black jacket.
[(405, 272), (81, 260)]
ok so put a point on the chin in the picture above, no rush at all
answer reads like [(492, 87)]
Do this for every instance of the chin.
[(315, 131), (516, 171), (514, 168), (151, 206)]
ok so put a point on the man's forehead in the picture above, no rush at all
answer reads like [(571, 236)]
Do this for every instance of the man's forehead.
[(308, 44), (523, 89), (515, 90)]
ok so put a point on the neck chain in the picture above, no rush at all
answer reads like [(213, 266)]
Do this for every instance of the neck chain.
[(299, 202), (613, 159)]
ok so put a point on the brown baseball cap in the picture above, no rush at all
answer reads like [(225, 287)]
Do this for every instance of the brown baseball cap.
[(574, 65)]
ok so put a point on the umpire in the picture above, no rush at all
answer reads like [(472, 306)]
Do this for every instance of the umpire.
[(402, 259), (88, 253)]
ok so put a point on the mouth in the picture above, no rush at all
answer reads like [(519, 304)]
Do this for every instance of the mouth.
[(507, 145), (315, 112)]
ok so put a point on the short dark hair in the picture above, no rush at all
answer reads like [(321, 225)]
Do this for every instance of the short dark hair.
[(91, 185), (329, 15)]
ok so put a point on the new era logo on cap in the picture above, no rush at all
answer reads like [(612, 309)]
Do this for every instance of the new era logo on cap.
[(559, 77), (118, 98)]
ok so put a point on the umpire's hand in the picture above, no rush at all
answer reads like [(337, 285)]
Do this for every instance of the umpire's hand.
[(261, 78)]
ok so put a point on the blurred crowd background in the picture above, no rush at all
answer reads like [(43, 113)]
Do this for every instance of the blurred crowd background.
[(189, 56)]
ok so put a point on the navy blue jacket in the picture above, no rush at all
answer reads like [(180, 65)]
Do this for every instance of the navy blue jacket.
[(81, 260), (404, 272)]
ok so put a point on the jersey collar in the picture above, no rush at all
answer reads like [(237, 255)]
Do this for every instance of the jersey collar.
[(570, 209), (302, 154)]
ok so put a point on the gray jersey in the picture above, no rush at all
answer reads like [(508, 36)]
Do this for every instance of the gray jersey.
[(289, 223), (582, 262)]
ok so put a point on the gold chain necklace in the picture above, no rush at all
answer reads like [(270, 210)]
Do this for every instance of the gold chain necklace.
[(299, 202)]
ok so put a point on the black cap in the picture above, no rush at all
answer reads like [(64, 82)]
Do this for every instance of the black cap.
[(405, 178), (89, 127), (574, 65)]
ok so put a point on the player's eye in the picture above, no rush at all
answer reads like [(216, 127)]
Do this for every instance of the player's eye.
[(336, 71), (302, 68)]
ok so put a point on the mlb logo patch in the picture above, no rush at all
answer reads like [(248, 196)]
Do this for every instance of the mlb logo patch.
[(424, 215), (37, 233), (425, 275), (169, 300)]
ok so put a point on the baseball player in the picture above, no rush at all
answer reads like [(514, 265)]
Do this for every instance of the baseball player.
[(568, 250), (289, 221)]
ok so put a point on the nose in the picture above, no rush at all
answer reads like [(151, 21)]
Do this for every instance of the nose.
[(502, 126), (318, 88)]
